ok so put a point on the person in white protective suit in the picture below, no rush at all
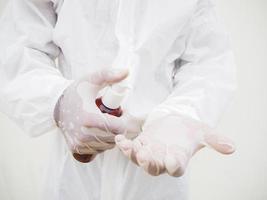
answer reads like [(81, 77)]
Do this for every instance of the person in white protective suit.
[(184, 78)]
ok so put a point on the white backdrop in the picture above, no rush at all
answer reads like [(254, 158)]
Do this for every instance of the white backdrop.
[(241, 176)]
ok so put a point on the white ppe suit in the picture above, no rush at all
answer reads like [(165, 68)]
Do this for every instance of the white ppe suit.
[(183, 56)]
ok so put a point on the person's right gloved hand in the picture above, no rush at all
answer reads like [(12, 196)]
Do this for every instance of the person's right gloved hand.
[(88, 131)]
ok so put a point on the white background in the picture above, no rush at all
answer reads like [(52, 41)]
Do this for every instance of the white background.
[(241, 176)]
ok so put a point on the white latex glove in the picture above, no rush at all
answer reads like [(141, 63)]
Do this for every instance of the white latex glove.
[(87, 130), (168, 141)]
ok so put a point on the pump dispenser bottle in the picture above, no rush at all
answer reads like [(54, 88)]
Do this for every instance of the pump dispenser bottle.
[(113, 96), (111, 100)]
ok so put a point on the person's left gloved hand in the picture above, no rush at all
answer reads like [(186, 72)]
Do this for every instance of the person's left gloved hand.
[(168, 141)]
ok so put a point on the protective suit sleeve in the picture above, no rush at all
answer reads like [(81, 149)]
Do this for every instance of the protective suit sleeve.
[(30, 82), (205, 79)]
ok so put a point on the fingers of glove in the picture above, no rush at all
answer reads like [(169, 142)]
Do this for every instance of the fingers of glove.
[(141, 154), (126, 124), (136, 147), (113, 124), (133, 124), (107, 76), (151, 158), (176, 160), (152, 164), (156, 168), (95, 134), (92, 146), (100, 146), (124, 144), (129, 148), (96, 143), (84, 150), (81, 148), (219, 143), (104, 122)]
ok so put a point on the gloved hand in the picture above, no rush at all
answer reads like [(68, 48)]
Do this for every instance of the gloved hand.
[(168, 141), (87, 130)]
